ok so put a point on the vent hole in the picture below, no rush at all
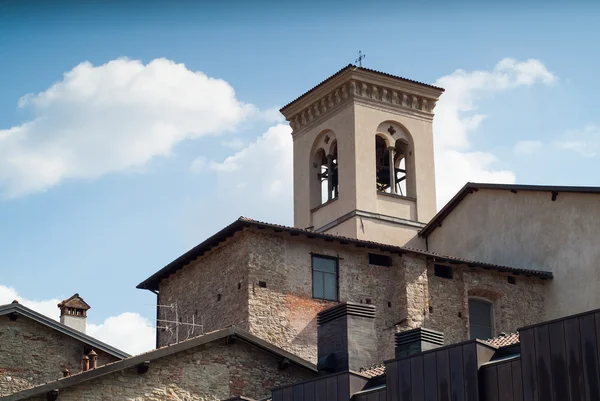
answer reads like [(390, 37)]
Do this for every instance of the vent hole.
[(431, 309), (218, 297), (368, 301), (262, 284), (380, 260), (512, 280), (442, 271), (239, 286), (389, 304)]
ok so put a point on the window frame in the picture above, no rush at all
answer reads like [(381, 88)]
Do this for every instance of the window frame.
[(337, 276), (492, 315)]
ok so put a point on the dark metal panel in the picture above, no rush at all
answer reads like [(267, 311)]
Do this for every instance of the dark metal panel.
[(470, 372), (574, 362), (357, 383), (332, 386), (528, 365), (443, 375), (298, 392), (321, 390), (457, 384), (418, 384), (517, 379), (489, 389), (542, 353), (391, 380), (558, 357), (589, 348), (505, 382), (404, 381), (382, 395), (288, 394), (309, 391), (430, 372), (277, 395), (343, 387)]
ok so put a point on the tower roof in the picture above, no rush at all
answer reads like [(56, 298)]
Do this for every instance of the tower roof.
[(74, 301)]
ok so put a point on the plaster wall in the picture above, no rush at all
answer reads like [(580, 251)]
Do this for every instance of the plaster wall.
[(528, 230)]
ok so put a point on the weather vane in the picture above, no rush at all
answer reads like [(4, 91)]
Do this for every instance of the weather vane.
[(360, 58)]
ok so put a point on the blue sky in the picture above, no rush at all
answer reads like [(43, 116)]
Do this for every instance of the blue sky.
[(106, 217)]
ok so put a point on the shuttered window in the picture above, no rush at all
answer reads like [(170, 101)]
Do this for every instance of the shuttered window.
[(325, 277), (481, 319)]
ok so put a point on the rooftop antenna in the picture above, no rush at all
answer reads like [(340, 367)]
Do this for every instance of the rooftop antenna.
[(360, 58), (190, 327)]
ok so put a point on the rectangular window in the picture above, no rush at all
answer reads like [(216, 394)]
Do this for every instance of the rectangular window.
[(380, 260), (481, 320), (325, 277), (442, 271)]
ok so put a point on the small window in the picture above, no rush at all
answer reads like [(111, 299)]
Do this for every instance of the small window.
[(262, 284), (442, 271), (325, 277), (380, 260), (512, 280), (481, 319)]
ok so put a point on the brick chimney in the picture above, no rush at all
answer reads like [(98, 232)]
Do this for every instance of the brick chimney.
[(346, 337), (93, 359), (85, 363), (73, 312), (417, 340)]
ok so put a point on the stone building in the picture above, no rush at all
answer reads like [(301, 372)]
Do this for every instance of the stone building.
[(364, 187), (214, 366), (35, 349)]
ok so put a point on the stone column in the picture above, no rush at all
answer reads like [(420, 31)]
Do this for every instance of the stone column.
[(329, 176), (391, 151)]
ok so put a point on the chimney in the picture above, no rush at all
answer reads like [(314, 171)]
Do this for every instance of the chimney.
[(93, 359), (415, 341), (66, 372), (73, 312), (346, 337), (85, 363)]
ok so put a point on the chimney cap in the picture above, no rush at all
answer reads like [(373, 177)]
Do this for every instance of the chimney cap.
[(74, 301), (15, 302), (92, 353), (83, 358)]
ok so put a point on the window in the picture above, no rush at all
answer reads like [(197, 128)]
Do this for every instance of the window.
[(380, 260), (442, 271), (325, 277), (481, 320)]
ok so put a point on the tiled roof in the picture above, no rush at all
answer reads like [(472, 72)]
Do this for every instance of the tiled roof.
[(151, 283), (354, 67), (504, 340), (373, 371)]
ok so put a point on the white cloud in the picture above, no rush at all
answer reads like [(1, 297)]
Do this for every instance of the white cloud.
[(527, 148), (585, 141), (456, 121), (127, 331), (198, 164), (113, 117), (265, 165), (233, 143)]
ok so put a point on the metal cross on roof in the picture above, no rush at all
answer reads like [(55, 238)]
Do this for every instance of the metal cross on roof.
[(360, 58)]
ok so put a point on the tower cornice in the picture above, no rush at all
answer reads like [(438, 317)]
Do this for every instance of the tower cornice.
[(363, 86)]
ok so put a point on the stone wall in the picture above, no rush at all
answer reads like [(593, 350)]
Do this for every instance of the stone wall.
[(212, 371), (514, 305), (212, 290), (32, 353), (284, 312)]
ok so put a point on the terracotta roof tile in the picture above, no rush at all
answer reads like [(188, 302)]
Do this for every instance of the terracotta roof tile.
[(504, 340)]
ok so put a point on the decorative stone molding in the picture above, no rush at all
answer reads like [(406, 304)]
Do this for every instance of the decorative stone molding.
[(355, 89)]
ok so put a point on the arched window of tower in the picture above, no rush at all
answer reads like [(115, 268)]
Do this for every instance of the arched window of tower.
[(324, 182), (394, 147)]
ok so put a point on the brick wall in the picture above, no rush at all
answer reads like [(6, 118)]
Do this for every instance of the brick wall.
[(514, 305), (212, 371), (32, 353), (212, 290)]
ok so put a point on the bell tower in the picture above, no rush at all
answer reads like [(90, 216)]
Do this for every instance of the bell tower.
[(363, 156)]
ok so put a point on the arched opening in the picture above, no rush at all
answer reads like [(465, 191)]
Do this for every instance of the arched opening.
[(324, 179), (382, 165), (481, 318), (394, 147)]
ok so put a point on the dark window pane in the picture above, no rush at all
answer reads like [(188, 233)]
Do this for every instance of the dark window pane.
[(330, 287), (480, 319), (318, 285), (324, 264)]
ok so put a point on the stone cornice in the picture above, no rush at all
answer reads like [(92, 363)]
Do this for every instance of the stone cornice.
[(360, 87)]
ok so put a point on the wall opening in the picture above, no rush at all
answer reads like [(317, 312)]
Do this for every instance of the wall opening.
[(481, 318)]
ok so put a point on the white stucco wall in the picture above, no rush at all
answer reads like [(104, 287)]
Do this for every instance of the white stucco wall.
[(528, 230)]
